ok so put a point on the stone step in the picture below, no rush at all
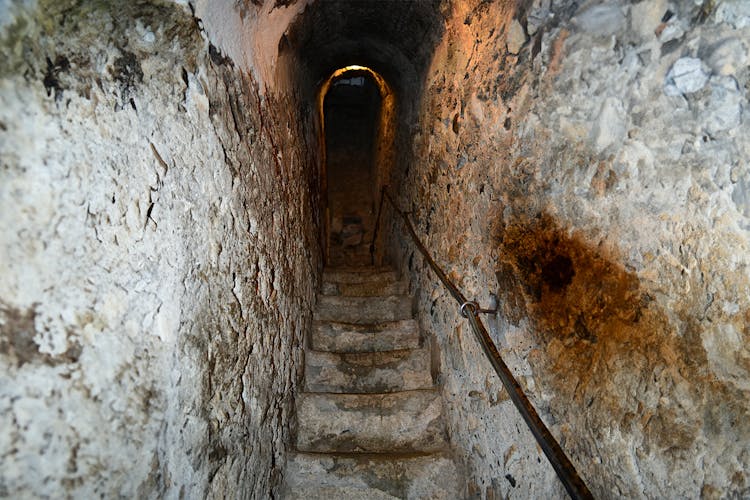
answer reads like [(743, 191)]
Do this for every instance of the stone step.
[(363, 310), (366, 289), (339, 477), (346, 337), (362, 248), (347, 258), (380, 372), (409, 421), (351, 275)]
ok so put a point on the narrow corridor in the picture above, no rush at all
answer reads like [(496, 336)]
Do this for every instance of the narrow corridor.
[(187, 199), (352, 111)]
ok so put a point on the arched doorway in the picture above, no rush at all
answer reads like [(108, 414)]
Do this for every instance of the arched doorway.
[(357, 109)]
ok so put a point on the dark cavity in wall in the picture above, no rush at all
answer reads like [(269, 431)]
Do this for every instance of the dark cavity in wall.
[(127, 72), (570, 289), (51, 78)]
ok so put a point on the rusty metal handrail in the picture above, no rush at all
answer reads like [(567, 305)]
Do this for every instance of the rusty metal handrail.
[(565, 470)]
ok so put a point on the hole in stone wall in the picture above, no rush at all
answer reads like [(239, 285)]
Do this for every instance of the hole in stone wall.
[(558, 272)]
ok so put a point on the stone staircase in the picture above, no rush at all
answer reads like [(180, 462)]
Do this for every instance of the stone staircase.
[(370, 421)]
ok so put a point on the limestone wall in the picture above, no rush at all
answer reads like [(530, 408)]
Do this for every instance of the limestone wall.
[(153, 292), (589, 162)]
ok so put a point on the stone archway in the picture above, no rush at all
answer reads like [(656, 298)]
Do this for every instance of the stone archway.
[(357, 110)]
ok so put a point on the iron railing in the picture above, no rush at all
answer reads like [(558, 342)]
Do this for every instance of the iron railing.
[(565, 470)]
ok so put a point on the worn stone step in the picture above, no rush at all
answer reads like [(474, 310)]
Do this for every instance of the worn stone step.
[(409, 421), (381, 372), (347, 337), (363, 310), (339, 477), (366, 289), (352, 275), (347, 258)]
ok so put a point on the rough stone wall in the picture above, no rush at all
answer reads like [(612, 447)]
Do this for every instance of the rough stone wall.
[(590, 162), (153, 293)]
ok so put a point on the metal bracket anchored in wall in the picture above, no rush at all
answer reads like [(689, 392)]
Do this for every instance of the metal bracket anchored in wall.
[(473, 307)]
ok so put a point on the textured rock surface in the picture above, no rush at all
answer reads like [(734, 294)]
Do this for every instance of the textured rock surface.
[(370, 424), (357, 276), (363, 310), (598, 182), (364, 289), (152, 297)]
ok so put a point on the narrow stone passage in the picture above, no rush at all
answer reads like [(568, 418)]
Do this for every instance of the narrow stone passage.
[(370, 419), (352, 108), (171, 192)]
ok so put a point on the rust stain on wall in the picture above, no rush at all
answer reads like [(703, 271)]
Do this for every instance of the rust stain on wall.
[(570, 290), (605, 347)]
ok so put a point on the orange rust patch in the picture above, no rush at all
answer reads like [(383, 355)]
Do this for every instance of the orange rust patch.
[(602, 339), (557, 53), (569, 289)]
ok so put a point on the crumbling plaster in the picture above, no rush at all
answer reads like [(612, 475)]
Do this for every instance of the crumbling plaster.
[(251, 34), (153, 296)]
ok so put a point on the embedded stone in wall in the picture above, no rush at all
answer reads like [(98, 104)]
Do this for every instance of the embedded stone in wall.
[(688, 75)]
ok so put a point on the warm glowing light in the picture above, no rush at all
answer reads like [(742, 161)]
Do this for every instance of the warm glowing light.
[(385, 89), (353, 67)]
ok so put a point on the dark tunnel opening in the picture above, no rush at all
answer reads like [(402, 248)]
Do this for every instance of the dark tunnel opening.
[(352, 110), (188, 192), (393, 42)]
